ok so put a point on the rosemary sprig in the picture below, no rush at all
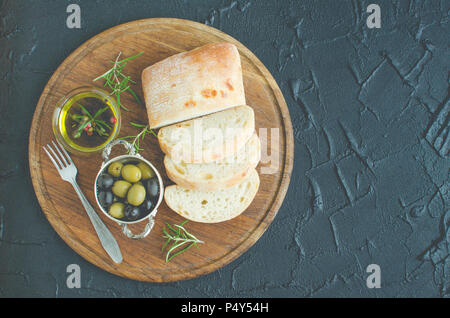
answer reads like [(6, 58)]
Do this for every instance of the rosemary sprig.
[(139, 137), (117, 81), (87, 120), (179, 237)]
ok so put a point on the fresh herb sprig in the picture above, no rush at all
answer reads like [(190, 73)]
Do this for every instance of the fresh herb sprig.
[(140, 136), (179, 237), (89, 124), (119, 82)]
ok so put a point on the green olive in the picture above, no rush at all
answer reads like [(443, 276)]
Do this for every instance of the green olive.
[(136, 195), (147, 172), (131, 173), (117, 210), (120, 188), (115, 168)]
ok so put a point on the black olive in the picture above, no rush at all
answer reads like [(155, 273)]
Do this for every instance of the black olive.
[(105, 181), (132, 213), (152, 187), (106, 198), (148, 205)]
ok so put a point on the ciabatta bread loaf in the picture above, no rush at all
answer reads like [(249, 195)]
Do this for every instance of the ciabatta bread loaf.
[(216, 175), (192, 84), (213, 206), (208, 138)]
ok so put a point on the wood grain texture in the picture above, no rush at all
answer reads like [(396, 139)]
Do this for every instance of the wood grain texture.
[(143, 259)]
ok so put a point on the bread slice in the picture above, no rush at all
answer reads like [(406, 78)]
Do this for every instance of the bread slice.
[(192, 84), (213, 206), (208, 138), (216, 175)]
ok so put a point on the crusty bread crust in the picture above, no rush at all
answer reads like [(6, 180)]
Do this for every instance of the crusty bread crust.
[(198, 216), (213, 153), (208, 185), (192, 84), (200, 184)]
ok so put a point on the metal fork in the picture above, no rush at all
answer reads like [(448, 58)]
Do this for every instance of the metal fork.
[(68, 172)]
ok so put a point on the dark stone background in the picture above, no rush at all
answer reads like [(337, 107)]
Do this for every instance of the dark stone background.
[(370, 114)]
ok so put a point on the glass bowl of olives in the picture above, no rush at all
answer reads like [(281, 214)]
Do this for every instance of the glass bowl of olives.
[(128, 189)]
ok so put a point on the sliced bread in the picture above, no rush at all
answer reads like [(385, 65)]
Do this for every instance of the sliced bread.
[(208, 138), (216, 175), (192, 84), (213, 206)]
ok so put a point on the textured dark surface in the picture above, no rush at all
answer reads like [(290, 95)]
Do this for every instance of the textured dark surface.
[(370, 110)]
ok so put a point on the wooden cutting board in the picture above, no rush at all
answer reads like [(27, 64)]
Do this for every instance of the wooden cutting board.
[(143, 259)]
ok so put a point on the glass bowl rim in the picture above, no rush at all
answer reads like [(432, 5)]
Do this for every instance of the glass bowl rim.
[(60, 105)]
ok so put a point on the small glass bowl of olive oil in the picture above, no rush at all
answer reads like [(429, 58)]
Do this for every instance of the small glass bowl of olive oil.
[(86, 120)]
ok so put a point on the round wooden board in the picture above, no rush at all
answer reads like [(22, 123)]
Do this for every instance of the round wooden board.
[(143, 260)]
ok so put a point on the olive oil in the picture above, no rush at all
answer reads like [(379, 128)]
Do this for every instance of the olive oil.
[(88, 121)]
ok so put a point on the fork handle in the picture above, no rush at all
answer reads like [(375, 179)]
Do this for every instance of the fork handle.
[(107, 240)]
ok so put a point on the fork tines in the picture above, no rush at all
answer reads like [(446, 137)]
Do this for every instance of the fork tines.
[(63, 160)]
